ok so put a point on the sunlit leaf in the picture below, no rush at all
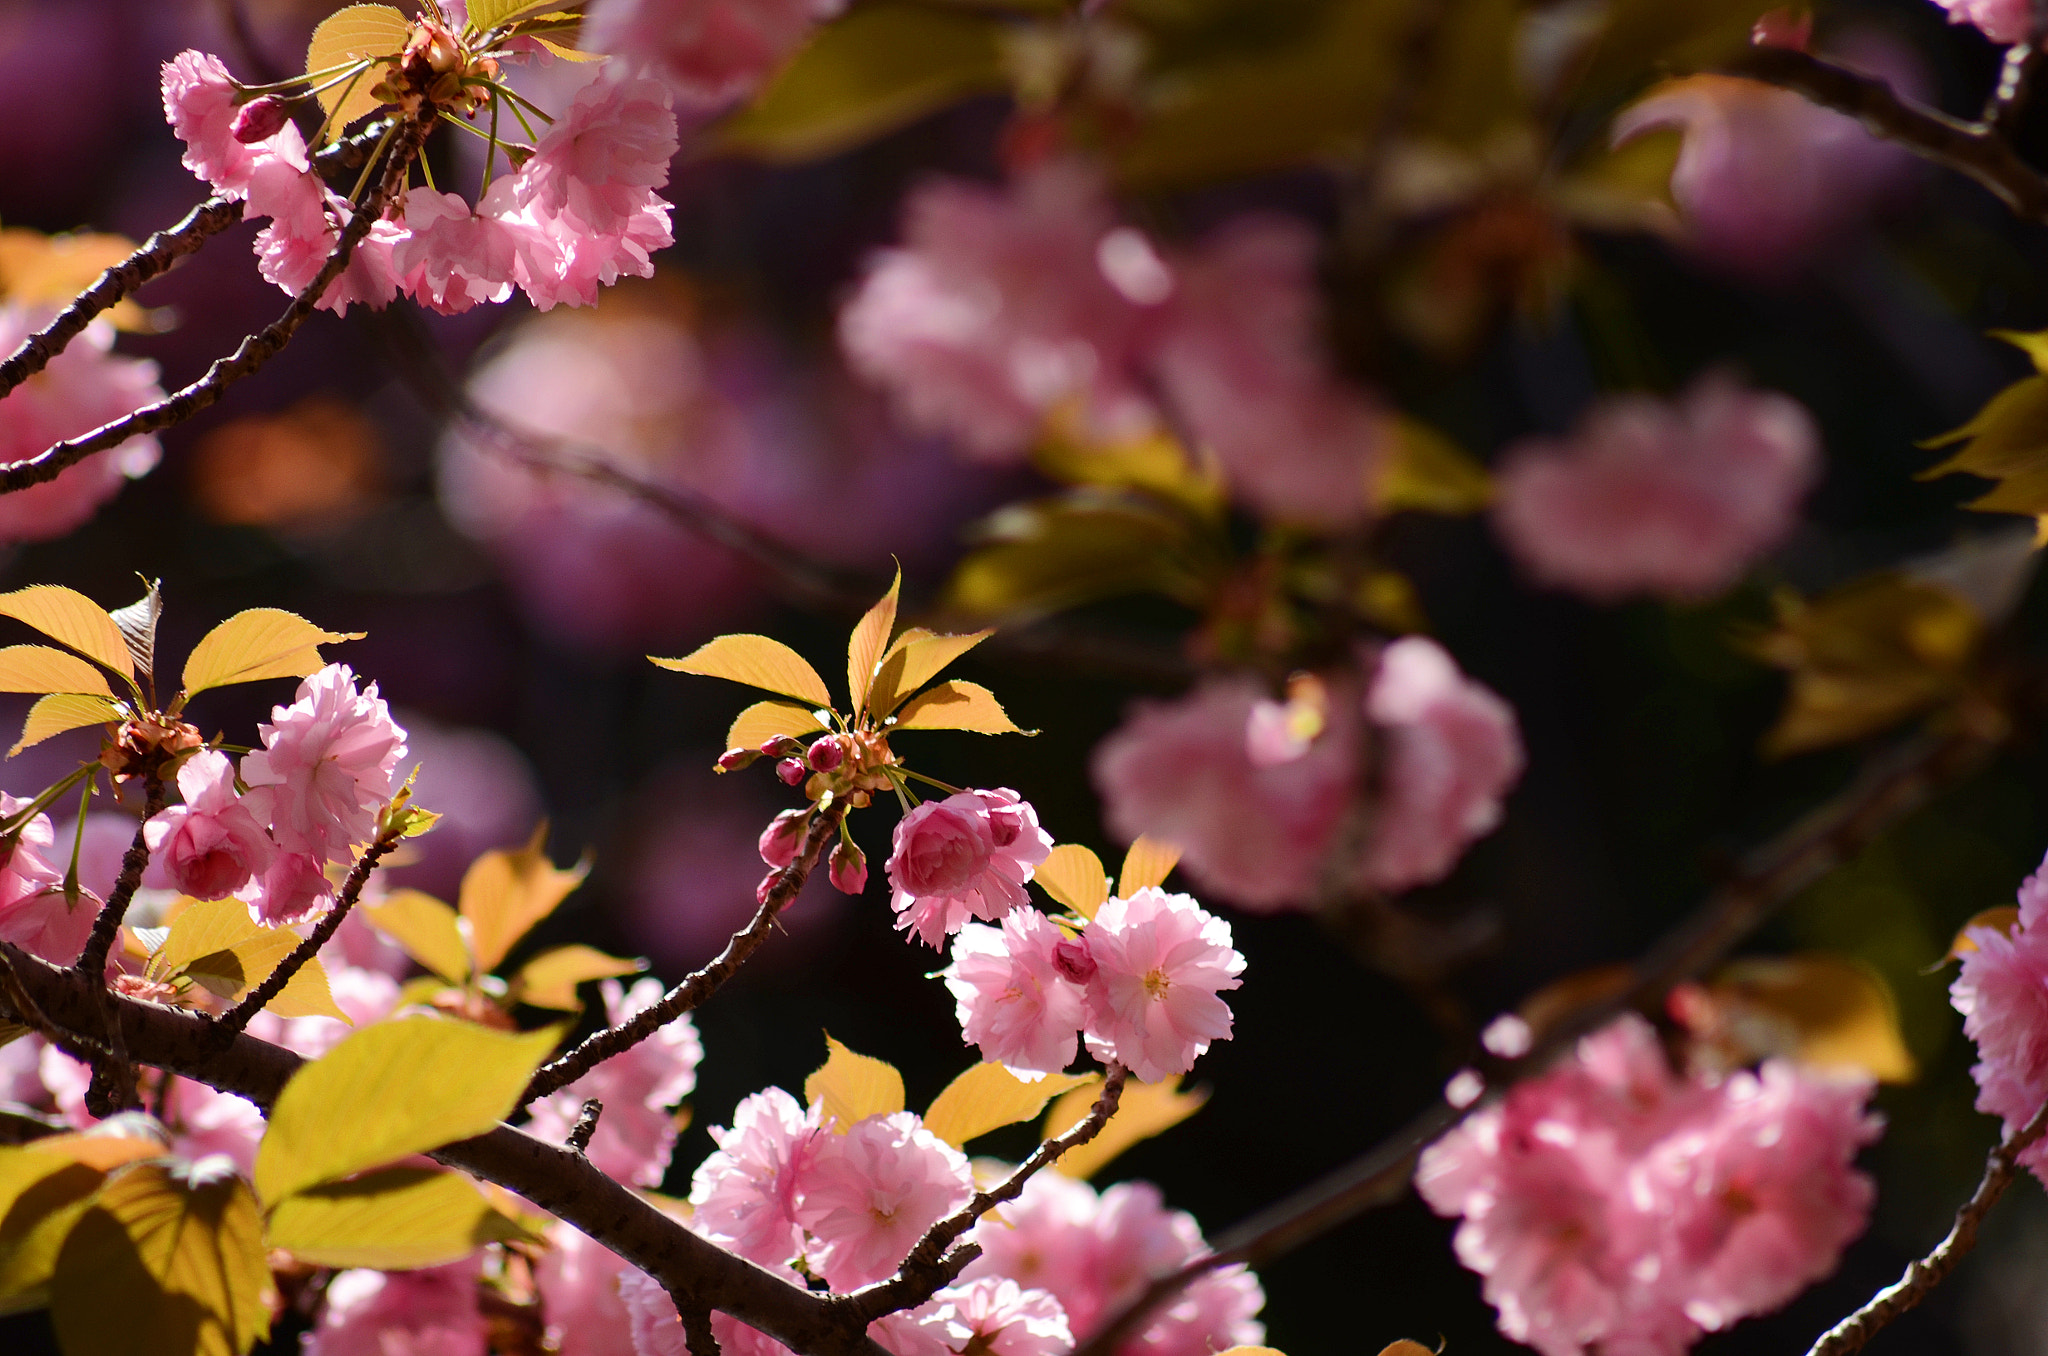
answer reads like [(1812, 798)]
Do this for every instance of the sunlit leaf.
[(2007, 441), (398, 1219), (1154, 462), (308, 994), (916, 657), (1073, 875), (505, 892), (864, 648), (956, 705), (263, 642), (40, 668), (352, 34), (988, 1097), (426, 928), (1430, 473), (549, 980), (848, 1088), (1148, 863), (762, 721), (233, 971), (485, 15), (41, 1197), (568, 53), (756, 661), (70, 618), (61, 711), (1144, 1110), (199, 928), (400, 1087), (1825, 1011), (2002, 919)]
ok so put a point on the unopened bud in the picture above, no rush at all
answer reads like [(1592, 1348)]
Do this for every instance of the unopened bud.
[(779, 746), (848, 868), (780, 839), (792, 771), (260, 119), (826, 754), (1072, 959), (732, 760), (767, 886)]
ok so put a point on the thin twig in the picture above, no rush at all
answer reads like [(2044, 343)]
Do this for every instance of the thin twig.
[(1924, 1273), (254, 1001), (693, 990), (1891, 786), (92, 960), (929, 1265), (586, 1125)]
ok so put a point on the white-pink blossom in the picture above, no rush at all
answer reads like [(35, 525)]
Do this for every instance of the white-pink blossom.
[(1669, 498), (996, 1316), (578, 1281), (2002, 992), (656, 1330), (1011, 998), (211, 845), (600, 160), (639, 1089), (869, 1194), (432, 1312), (1160, 962), (34, 915), (968, 855), (199, 102), (203, 1120), (291, 889), (454, 256), (325, 767), (744, 1195), (706, 51)]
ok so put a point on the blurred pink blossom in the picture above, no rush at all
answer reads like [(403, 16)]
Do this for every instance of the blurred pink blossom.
[(995, 1316), (744, 1195), (2002, 992), (708, 51), (578, 1281), (1160, 962), (1011, 998), (968, 855), (325, 768), (34, 915), (1670, 498), (869, 1194), (639, 1089), (211, 844), (1999, 20), (432, 1312), (480, 784)]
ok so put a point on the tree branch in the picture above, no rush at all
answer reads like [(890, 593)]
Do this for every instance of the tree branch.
[(92, 960), (1923, 1274), (1891, 786), (694, 989), (238, 1017)]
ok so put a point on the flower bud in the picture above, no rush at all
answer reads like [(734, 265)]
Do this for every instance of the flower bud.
[(767, 885), (1072, 959), (732, 760), (260, 119), (826, 754), (777, 746), (780, 839), (792, 771), (848, 868)]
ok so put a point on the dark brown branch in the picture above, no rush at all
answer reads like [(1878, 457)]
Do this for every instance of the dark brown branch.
[(693, 990), (1890, 787), (92, 960), (250, 355), (929, 1265), (586, 1125), (238, 1017), (1976, 149), (697, 1334), (556, 1179), (1924, 1273)]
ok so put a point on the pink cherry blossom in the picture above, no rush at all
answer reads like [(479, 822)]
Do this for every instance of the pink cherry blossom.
[(2002, 992), (564, 262), (1449, 751), (578, 1281), (199, 102), (366, 996), (639, 1089), (34, 915), (1012, 1000), (598, 163), (1252, 830), (744, 1195), (708, 51), (211, 845), (292, 889), (1160, 960), (1674, 499), (371, 278), (432, 1312), (294, 247), (996, 1316), (868, 1195), (454, 256), (325, 767), (657, 1331), (1999, 20), (204, 1121), (968, 855)]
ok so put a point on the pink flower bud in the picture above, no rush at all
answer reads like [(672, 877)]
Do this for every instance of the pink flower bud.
[(849, 868), (767, 885), (792, 771), (260, 119), (780, 839), (827, 754), (775, 746), (732, 760), (1071, 958)]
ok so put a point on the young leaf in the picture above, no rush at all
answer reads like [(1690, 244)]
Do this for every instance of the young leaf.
[(397, 1218), (61, 711), (401, 1087), (426, 928), (756, 661), (42, 668), (1149, 862), (1074, 876), (864, 648), (956, 705), (41, 1197), (263, 642), (913, 660), (233, 971), (2004, 918), (307, 994), (200, 928), (762, 721), (1430, 474), (549, 980), (182, 1247), (988, 1097), (485, 15), (504, 893), (1828, 1012), (353, 34), (849, 1088), (1144, 1110), (568, 53), (138, 627), (70, 618)]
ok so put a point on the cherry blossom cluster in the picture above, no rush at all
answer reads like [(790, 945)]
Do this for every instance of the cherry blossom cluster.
[(708, 52), (1255, 790), (2002, 993), (580, 212), (1006, 308), (1612, 1205)]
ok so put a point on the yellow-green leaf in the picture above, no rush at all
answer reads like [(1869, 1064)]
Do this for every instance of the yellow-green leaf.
[(988, 1097), (549, 980), (1144, 1110), (485, 15), (353, 34), (848, 1088), (1154, 461), (763, 721), (1073, 875), (568, 53), (308, 994), (1431, 474), (756, 661), (865, 647), (44, 1187), (916, 657), (39, 668), (507, 891), (200, 928), (61, 711), (396, 1219), (426, 928), (1149, 862), (70, 618), (263, 642), (1826, 1011), (233, 971), (956, 705), (400, 1087), (182, 1249)]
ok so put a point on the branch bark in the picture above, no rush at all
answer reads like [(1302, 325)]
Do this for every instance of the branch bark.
[(92, 960)]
